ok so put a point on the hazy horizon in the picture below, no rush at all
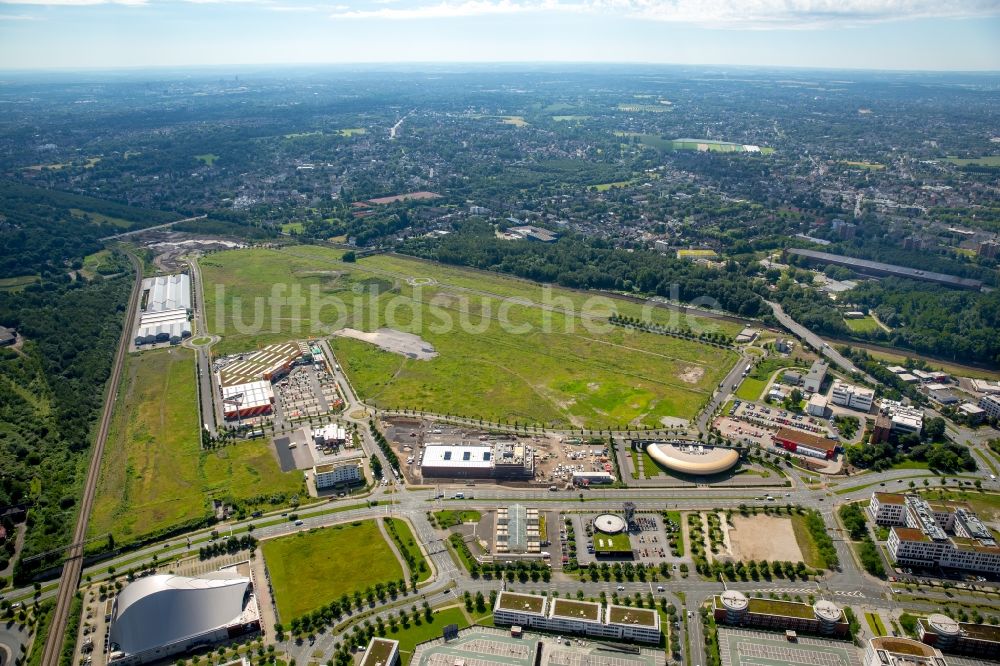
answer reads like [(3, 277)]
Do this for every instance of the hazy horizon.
[(887, 35)]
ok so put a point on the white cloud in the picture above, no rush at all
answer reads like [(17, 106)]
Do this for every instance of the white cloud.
[(762, 14), (444, 10), (73, 3)]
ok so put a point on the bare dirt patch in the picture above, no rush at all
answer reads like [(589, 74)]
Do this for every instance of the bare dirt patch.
[(692, 374), (764, 538), (391, 340)]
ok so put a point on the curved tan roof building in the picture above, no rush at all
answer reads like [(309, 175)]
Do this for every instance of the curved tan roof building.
[(694, 459)]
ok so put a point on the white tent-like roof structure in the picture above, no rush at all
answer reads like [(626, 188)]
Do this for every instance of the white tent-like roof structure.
[(160, 610), (694, 458)]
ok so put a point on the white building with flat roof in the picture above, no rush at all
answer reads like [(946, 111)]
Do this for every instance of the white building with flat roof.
[(893, 651), (333, 474), (901, 417), (814, 378), (990, 404), (570, 616), (465, 461), (852, 397), (935, 534)]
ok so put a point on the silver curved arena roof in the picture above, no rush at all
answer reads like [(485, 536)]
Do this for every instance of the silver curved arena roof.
[(159, 610)]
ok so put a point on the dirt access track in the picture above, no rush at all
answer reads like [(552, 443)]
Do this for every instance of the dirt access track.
[(391, 340)]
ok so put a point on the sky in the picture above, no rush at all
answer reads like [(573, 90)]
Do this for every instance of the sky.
[(848, 34)]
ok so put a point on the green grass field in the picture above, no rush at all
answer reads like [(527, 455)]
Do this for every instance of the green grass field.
[(100, 218), (208, 159), (415, 634), (753, 384), (292, 227), (560, 370), (154, 474), (448, 518), (866, 325), (604, 187), (613, 543), (516, 121), (310, 569), (17, 283), (871, 166), (649, 466), (989, 160)]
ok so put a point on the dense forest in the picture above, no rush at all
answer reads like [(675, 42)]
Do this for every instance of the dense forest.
[(935, 320), (52, 390), (45, 232)]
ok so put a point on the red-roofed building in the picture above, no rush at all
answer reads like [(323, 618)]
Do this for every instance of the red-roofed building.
[(797, 441)]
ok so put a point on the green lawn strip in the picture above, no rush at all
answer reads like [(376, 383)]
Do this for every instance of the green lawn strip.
[(676, 517), (415, 634), (309, 569), (401, 533), (461, 551), (808, 546), (875, 623), (650, 466)]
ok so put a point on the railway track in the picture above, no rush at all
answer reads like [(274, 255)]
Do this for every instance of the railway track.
[(69, 581)]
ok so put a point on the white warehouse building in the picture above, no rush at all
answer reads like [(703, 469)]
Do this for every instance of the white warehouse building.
[(164, 310)]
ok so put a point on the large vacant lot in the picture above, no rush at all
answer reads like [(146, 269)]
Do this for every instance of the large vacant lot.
[(154, 474), (545, 367), (310, 569), (763, 537)]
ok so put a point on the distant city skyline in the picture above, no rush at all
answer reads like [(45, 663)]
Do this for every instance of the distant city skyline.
[(851, 34)]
